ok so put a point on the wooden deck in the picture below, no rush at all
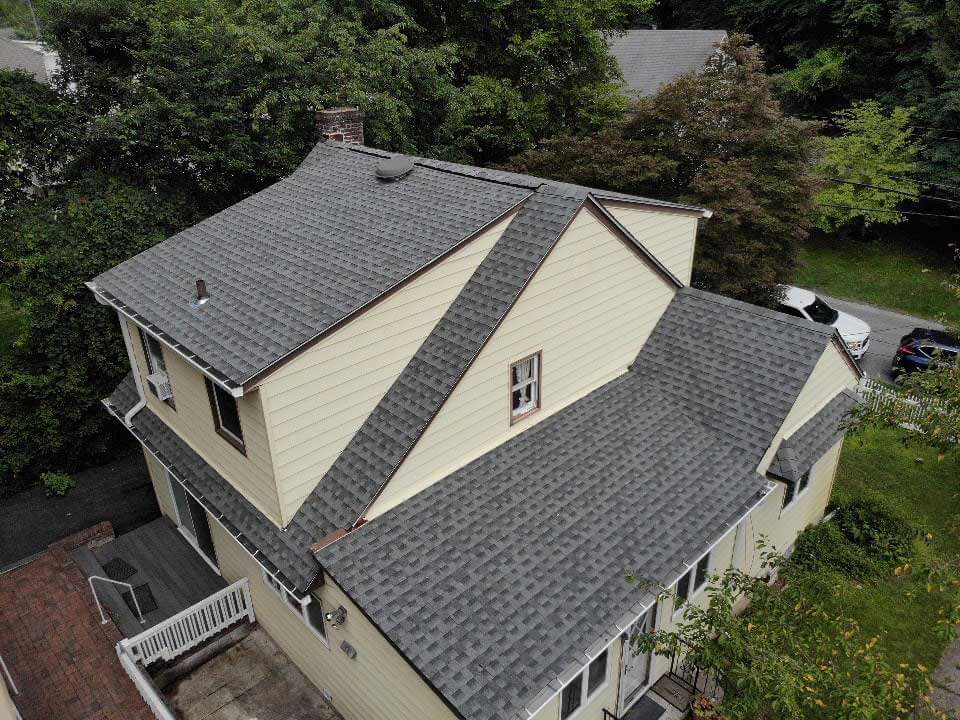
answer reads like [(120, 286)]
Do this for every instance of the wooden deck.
[(175, 572)]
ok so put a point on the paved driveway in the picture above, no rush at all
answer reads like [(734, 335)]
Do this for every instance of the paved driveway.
[(887, 327)]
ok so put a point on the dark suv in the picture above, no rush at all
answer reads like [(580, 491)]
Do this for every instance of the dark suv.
[(924, 347)]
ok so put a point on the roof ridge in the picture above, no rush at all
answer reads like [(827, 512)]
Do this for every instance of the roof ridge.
[(378, 448), (768, 313)]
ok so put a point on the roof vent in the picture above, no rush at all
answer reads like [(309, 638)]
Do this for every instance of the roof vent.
[(202, 294), (394, 168)]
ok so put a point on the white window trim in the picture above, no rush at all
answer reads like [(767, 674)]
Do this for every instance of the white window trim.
[(693, 593), (533, 382), (584, 676), (277, 588)]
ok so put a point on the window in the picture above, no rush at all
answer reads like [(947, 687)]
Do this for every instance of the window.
[(794, 490), (226, 415), (309, 610), (820, 312), (524, 387), (592, 679), (597, 673), (692, 581), (790, 311), (153, 352)]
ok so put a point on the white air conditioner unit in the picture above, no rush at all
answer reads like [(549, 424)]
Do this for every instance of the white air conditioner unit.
[(160, 385)]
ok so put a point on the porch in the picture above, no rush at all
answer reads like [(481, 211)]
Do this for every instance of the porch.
[(148, 575)]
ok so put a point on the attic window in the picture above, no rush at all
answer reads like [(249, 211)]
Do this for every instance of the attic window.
[(524, 387), (794, 490)]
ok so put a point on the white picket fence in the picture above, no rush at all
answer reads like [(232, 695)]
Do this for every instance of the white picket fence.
[(148, 691), (880, 396), (188, 628)]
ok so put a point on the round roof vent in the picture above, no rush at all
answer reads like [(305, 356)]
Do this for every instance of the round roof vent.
[(394, 168)]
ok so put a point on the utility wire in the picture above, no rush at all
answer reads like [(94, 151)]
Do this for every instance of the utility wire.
[(926, 182), (915, 196), (901, 212)]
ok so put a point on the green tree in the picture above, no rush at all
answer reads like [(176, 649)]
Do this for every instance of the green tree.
[(814, 77), (35, 131), (867, 168), (788, 656), (717, 139), (69, 353)]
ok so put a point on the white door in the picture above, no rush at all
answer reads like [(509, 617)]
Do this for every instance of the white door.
[(635, 677)]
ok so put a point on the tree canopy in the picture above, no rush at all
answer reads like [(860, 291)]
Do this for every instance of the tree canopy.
[(867, 168), (716, 139)]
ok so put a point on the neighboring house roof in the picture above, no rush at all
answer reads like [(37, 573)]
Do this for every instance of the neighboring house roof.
[(499, 579), (296, 260), (650, 59), (26, 55), (798, 452)]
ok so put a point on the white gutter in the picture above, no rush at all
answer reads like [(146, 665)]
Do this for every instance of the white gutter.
[(688, 566), (98, 294)]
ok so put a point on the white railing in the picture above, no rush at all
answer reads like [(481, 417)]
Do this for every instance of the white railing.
[(5, 676), (103, 616), (148, 691), (187, 629)]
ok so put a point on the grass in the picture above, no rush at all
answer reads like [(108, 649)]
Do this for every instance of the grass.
[(881, 273), (16, 14), (9, 321), (900, 610)]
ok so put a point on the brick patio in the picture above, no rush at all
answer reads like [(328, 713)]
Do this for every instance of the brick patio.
[(61, 658)]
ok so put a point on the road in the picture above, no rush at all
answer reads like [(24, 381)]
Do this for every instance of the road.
[(886, 329)]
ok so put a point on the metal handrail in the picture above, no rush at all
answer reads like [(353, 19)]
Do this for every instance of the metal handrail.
[(103, 616), (6, 672), (607, 715)]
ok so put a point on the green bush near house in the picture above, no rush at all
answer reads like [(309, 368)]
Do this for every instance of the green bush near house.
[(57, 483), (890, 560)]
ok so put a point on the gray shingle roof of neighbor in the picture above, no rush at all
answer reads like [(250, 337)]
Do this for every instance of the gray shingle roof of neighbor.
[(400, 418), (19, 55), (650, 59), (503, 578), (798, 452), (294, 261)]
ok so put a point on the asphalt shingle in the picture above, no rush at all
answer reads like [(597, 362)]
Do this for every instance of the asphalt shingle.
[(798, 452), (650, 59)]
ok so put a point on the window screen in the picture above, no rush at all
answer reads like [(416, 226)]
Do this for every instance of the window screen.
[(571, 697), (597, 674)]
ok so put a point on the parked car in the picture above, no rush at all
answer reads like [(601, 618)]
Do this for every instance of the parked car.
[(923, 348), (804, 304)]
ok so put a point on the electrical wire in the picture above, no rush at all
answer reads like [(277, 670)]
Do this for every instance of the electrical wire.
[(901, 212), (886, 189)]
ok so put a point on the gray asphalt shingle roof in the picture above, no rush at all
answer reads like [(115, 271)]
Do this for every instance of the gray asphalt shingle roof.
[(798, 452), (649, 59), (403, 414), (295, 260), (498, 580), (640, 476), (19, 55)]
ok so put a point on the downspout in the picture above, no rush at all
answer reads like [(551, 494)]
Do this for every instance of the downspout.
[(138, 406)]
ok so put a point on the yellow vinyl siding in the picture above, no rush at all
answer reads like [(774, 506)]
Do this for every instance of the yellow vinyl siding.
[(161, 485), (670, 237), (831, 374), (378, 685), (317, 401), (588, 309), (250, 473)]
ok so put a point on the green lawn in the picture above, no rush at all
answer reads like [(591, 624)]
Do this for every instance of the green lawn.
[(881, 273), (9, 321), (900, 610)]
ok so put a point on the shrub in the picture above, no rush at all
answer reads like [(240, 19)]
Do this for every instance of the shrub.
[(825, 547), (58, 483), (875, 529)]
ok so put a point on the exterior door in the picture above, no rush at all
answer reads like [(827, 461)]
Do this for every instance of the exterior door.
[(193, 521), (635, 675)]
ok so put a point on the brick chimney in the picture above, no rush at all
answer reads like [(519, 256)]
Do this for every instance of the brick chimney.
[(342, 123)]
